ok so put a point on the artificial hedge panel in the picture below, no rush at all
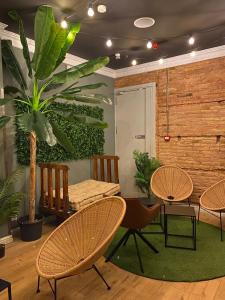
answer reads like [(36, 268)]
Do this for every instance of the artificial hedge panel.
[(86, 140)]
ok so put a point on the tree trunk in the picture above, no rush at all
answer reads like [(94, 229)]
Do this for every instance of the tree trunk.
[(32, 192)]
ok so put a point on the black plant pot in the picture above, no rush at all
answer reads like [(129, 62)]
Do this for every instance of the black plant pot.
[(30, 231), (2, 250)]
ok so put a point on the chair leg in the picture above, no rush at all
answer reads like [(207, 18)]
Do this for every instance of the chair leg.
[(9, 292), (126, 240), (101, 276), (147, 242), (38, 285), (121, 241), (55, 288), (199, 207), (221, 226), (138, 252)]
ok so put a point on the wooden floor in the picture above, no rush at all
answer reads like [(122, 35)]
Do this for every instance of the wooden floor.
[(19, 267)]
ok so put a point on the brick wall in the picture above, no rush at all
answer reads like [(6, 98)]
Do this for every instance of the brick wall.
[(196, 118)]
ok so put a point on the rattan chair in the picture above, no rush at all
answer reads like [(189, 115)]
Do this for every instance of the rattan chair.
[(213, 199), (171, 184), (80, 241)]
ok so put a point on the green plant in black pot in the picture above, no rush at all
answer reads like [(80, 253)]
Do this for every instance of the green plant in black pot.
[(47, 85), (145, 168), (9, 200)]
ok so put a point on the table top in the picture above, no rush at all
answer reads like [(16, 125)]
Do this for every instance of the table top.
[(180, 210)]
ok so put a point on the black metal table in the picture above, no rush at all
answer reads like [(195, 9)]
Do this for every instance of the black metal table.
[(6, 285), (181, 211)]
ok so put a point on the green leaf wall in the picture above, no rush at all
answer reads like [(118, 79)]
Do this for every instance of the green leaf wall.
[(87, 141)]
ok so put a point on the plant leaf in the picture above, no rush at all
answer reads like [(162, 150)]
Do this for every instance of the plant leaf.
[(43, 21), (93, 99), (79, 71), (12, 63), (83, 87), (4, 120), (16, 17), (51, 52), (71, 35), (43, 128), (62, 138), (4, 101), (10, 180), (12, 91)]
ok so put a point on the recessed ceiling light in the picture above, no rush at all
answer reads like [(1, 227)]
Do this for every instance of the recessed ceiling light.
[(191, 40), (161, 61), (144, 22), (134, 62), (149, 45), (101, 8), (109, 43), (64, 24), (90, 11)]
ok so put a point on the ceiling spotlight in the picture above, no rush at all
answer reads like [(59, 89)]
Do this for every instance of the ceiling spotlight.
[(101, 8), (90, 11), (144, 22), (64, 24), (193, 53), (134, 62), (149, 45), (109, 43), (161, 61), (191, 40), (117, 55)]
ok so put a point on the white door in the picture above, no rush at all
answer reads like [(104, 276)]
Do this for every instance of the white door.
[(135, 130)]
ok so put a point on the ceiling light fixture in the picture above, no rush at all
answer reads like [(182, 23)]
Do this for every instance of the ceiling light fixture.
[(109, 43), (134, 62), (191, 40), (64, 24), (149, 45), (144, 22), (90, 11), (101, 8), (161, 61)]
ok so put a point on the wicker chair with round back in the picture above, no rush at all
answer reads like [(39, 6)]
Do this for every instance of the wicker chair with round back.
[(213, 199), (76, 245), (171, 184)]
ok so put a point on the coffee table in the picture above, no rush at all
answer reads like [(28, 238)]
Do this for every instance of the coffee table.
[(180, 211)]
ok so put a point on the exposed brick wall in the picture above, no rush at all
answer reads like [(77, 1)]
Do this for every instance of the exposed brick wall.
[(196, 118)]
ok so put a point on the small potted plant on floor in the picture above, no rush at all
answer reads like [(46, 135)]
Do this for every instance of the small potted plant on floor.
[(145, 168), (52, 42), (9, 201)]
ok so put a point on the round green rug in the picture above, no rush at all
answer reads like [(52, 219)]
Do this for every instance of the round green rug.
[(170, 264)]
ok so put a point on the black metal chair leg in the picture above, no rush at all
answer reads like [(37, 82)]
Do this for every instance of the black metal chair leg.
[(147, 242), (100, 275), (221, 226), (117, 246), (38, 286), (55, 288), (199, 207), (9, 292), (126, 240), (138, 252)]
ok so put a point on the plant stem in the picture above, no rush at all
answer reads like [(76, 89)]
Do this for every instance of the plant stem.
[(32, 196)]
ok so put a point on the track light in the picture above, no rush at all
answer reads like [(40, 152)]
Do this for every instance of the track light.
[(90, 11), (149, 45), (109, 43), (64, 24), (191, 40), (134, 62)]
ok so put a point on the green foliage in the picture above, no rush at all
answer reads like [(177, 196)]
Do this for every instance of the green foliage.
[(9, 201), (85, 139), (145, 168)]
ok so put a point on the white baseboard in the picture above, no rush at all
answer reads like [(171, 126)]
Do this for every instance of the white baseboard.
[(6, 239)]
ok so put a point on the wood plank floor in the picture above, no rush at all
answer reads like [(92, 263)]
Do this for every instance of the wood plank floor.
[(19, 267)]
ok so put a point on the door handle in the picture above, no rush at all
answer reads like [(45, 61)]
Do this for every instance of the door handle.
[(140, 136)]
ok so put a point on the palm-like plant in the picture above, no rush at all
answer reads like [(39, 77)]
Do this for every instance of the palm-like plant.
[(145, 168), (52, 42), (9, 201)]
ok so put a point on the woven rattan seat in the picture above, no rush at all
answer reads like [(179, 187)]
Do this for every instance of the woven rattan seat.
[(81, 240), (171, 183)]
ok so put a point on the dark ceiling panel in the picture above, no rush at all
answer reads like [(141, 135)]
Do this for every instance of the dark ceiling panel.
[(175, 21)]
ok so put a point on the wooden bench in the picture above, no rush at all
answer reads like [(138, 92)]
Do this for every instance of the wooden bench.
[(54, 197)]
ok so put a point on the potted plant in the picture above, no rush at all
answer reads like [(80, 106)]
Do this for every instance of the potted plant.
[(52, 42), (9, 201), (145, 168)]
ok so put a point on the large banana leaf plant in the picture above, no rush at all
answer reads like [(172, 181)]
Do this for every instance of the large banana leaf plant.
[(52, 42)]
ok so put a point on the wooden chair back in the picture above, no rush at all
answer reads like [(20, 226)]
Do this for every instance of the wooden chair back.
[(54, 189), (105, 168)]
